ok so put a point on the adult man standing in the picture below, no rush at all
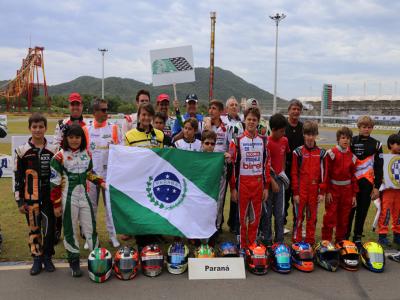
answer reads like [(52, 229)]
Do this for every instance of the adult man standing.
[(75, 109), (101, 134), (294, 134), (232, 118), (163, 106), (142, 96), (191, 112)]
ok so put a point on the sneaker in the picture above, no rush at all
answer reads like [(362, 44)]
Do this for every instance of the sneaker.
[(75, 268), (86, 246), (115, 242), (48, 264), (286, 231), (395, 257), (37, 265)]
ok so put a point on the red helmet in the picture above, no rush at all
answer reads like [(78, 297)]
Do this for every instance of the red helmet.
[(152, 260), (126, 261), (257, 258)]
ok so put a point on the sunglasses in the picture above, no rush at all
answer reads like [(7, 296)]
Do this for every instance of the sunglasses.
[(209, 143), (104, 110), (75, 103)]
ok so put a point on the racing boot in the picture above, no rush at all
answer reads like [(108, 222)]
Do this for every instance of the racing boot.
[(48, 264), (396, 239), (37, 265), (383, 240), (74, 264)]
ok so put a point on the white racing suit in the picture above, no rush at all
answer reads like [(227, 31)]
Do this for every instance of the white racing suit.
[(101, 135), (69, 173)]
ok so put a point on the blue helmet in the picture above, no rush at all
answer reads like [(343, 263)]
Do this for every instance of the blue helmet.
[(177, 258), (281, 258), (228, 249)]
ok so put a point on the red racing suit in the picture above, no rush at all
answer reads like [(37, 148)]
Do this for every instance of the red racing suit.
[(251, 175), (343, 186), (309, 173)]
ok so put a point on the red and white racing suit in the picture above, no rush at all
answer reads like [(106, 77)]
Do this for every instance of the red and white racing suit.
[(342, 184), (309, 174), (251, 175)]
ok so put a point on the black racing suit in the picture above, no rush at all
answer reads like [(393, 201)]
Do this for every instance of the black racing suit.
[(32, 190), (296, 139), (365, 147)]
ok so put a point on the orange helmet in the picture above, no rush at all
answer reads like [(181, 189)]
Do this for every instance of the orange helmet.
[(126, 261), (348, 254), (257, 258), (303, 257)]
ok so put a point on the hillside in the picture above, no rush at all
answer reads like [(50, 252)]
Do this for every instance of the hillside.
[(226, 84)]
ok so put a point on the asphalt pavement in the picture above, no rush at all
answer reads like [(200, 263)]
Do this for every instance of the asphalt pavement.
[(320, 284)]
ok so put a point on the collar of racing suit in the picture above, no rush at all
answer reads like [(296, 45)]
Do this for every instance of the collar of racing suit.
[(343, 150), (237, 118), (221, 124), (80, 119), (151, 130), (313, 147), (33, 145), (99, 125), (246, 133)]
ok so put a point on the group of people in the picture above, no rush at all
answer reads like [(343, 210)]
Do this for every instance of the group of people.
[(59, 184)]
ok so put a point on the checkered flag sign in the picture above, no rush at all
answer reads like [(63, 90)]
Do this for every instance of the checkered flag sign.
[(168, 65)]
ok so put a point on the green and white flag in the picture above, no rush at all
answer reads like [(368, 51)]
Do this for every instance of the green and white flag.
[(163, 191)]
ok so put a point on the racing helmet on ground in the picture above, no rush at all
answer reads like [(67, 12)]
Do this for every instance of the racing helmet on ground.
[(348, 255), (204, 251), (177, 258), (257, 258), (99, 265), (327, 256), (228, 249), (152, 260), (126, 261), (373, 257), (303, 257), (281, 258)]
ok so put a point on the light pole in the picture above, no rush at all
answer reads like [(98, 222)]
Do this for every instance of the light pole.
[(277, 18), (103, 51)]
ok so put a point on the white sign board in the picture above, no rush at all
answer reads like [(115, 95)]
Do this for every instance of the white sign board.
[(217, 268), (172, 65)]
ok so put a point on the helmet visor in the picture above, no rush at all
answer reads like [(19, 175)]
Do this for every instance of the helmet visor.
[(376, 257), (176, 258), (282, 259), (306, 255), (99, 266), (259, 260), (127, 264)]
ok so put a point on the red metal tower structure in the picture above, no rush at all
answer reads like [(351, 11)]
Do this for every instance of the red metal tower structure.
[(27, 83)]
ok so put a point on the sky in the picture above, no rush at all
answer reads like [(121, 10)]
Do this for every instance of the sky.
[(345, 43)]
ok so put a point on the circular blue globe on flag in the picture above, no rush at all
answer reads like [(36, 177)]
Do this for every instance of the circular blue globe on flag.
[(166, 187)]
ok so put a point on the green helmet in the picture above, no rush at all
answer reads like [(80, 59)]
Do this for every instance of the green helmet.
[(99, 264), (204, 251)]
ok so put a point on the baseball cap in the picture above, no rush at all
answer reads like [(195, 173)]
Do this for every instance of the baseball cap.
[(191, 97), (162, 97), (251, 102), (74, 97)]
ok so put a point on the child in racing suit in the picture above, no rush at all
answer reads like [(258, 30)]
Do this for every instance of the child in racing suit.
[(71, 167), (390, 207), (308, 175), (251, 176), (342, 187), (32, 192)]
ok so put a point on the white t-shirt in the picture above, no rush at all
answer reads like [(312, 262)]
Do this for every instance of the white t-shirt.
[(193, 146)]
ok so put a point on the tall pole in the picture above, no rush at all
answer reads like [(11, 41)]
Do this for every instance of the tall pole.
[(213, 16), (277, 18), (103, 51)]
